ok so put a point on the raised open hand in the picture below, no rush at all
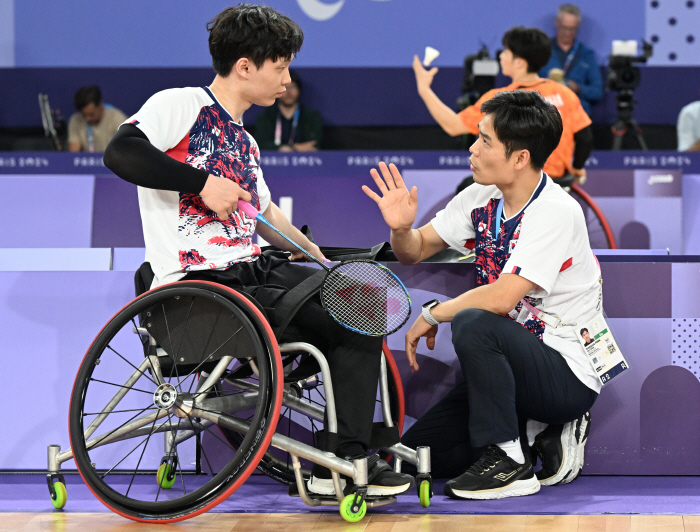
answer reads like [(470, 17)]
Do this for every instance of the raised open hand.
[(424, 77), (398, 205)]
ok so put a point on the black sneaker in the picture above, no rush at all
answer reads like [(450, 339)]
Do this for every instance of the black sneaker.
[(382, 481), (494, 476), (560, 449)]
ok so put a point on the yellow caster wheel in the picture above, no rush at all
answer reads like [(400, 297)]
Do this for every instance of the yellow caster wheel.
[(424, 494), (61, 495), (166, 479), (352, 513)]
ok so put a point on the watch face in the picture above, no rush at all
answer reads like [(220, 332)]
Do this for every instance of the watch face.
[(430, 304)]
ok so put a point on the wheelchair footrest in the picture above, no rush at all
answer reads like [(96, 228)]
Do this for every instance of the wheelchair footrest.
[(294, 492)]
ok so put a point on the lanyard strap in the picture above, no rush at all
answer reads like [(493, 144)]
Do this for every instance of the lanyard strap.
[(278, 128), (570, 57), (499, 213)]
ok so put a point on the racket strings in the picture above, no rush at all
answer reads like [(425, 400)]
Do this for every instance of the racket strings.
[(367, 297)]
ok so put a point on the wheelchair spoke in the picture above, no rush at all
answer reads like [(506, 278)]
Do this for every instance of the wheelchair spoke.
[(211, 469), (170, 452), (137, 369), (129, 453), (99, 439), (121, 386), (115, 411), (206, 358), (141, 457)]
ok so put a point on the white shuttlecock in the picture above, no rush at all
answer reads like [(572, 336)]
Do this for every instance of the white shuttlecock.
[(430, 55)]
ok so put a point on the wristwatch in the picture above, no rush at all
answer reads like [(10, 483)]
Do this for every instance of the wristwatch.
[(426, 311)]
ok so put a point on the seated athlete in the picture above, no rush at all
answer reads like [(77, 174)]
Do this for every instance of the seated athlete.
[(520, 375), (192, 160), (525, 52)]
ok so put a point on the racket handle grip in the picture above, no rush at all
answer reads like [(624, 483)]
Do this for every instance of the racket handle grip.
[(248, 208)]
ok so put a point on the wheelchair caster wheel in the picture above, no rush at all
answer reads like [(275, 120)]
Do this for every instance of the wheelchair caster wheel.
[(352, 512), (59, 497), (165, 476), (424, 493)]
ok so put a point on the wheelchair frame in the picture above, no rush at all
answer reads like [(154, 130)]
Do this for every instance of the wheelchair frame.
[(200, 413)]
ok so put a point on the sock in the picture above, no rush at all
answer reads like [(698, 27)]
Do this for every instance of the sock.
[(513, 450), (533, 429)]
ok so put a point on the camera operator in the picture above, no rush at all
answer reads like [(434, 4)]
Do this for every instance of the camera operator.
[(576, 60), (526, 51), (689, 127)]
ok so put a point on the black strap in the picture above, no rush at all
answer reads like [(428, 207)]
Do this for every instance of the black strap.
[(383, 437), (292, 301)]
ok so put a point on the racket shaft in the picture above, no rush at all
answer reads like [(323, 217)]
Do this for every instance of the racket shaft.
[(261, 218)]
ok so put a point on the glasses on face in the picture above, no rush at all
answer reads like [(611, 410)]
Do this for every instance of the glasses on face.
[(569, 29)]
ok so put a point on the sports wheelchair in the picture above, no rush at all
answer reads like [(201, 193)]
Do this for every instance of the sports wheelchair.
[(186, 391)]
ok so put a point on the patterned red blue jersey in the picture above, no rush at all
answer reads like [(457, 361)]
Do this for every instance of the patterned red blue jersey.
[(182, 234)]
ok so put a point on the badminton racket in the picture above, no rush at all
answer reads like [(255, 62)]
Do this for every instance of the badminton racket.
[(361, 295)]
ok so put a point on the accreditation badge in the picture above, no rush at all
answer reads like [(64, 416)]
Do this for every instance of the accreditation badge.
[(602, 350)]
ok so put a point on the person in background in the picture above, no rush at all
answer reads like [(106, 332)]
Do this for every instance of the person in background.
[(288, 125), (689, 127), (576, 60), (525, 51), (95, 123)]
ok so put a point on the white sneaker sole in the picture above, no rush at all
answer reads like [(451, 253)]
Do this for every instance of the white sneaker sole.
[(322, 486), (573, 448), (519, 488)]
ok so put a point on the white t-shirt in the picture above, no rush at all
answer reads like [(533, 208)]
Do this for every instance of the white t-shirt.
[(181, 233), (546, 243)]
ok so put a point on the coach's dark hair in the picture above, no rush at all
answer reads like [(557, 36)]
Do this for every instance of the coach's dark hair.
[(87, 95), (524, 120), (258, 33), (530, 44)]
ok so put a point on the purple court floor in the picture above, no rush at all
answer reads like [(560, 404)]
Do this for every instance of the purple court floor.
[(587, 495)]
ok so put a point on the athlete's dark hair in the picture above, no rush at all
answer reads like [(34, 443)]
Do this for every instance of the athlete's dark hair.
[(583, 331), (530, 44), (258, 33), (87, 95), (524, 120)]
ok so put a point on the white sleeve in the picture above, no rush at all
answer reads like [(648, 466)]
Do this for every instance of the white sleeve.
[(263, 192), (454, 223), (544, 244), (168, 116)]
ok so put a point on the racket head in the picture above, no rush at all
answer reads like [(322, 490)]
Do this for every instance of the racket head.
[(366, 297)]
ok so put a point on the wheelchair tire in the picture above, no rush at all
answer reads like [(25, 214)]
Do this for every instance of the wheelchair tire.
[(600, 234), (196, 324), (277, 464)]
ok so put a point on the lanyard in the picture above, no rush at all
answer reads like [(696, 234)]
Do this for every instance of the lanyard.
[(292, 133), (499, 213), (570, 57)]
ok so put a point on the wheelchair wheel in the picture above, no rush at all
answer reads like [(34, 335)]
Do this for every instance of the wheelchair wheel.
[(308, 386), (600, 234), (151, 390)]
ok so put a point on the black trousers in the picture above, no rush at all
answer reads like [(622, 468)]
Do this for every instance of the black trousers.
[(510, 377), (353, 358)]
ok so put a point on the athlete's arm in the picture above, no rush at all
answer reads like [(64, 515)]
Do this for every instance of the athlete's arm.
[(443, 115), (276, 217), (132, 157), (499, 297)]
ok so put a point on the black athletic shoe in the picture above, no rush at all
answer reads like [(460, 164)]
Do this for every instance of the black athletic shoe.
[(382, 481), (560, 449), (494, 476)]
